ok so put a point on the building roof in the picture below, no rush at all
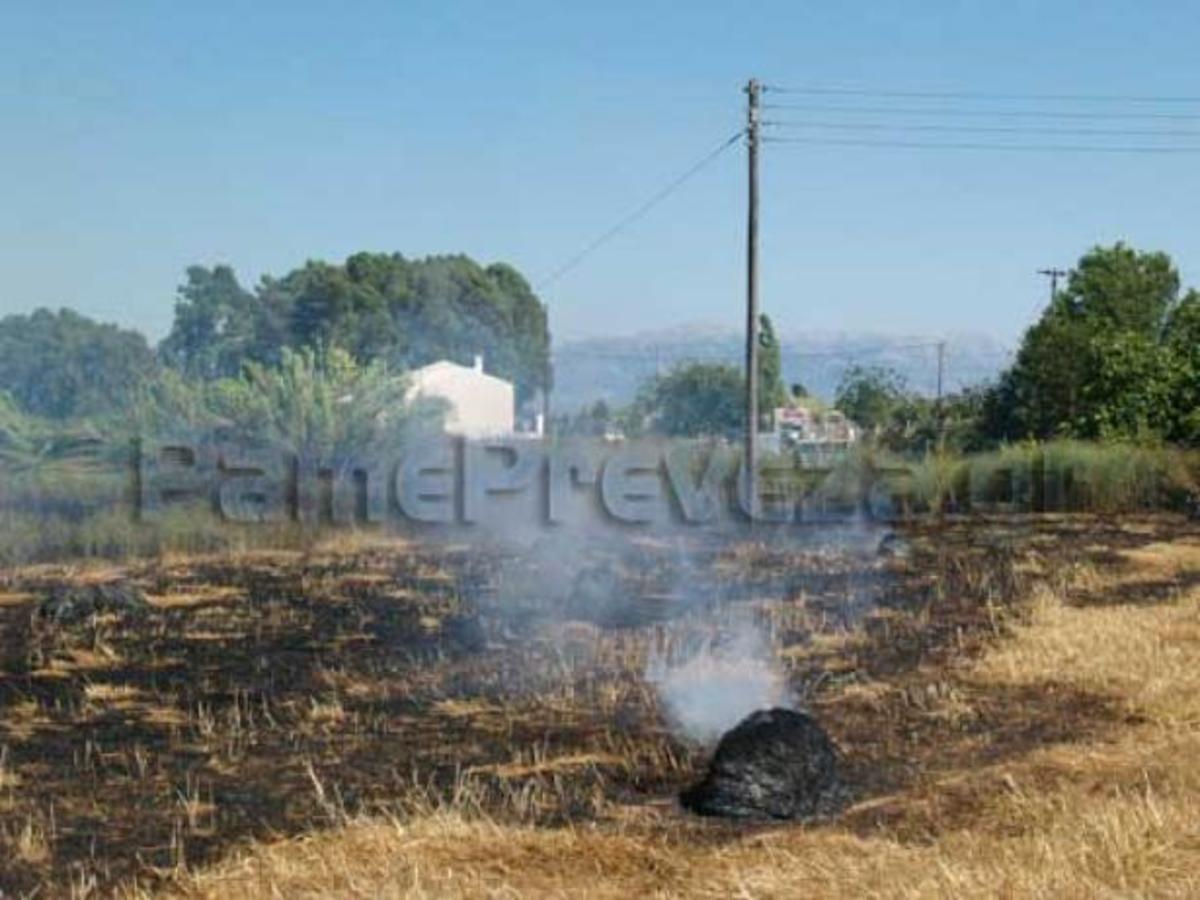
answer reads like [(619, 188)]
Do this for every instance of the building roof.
[(446, 367)]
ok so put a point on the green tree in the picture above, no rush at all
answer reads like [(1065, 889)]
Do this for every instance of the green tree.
[(319, 404), (1081, 370), (1183, 342), (593, 421), (377, 307), (63, 365), (871, 396), (695, 399), (1119, 288), (772, 393), (1128, 391), (215, 327)]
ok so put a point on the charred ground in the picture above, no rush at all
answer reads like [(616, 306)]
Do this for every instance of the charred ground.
[(269, 694)]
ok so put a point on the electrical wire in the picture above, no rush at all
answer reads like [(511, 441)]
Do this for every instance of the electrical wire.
[(952, 112), (655, 199), (820, 91), (1036, 148), (649, 355), (986, 129)]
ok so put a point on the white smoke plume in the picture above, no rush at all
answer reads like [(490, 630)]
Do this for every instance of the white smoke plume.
[(711, 690), (706, 690)]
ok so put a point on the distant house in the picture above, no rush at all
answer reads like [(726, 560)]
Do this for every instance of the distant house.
[(802, 429), (479, 405)]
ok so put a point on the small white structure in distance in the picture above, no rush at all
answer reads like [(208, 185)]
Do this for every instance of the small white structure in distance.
[(815, 435), (478, 405)]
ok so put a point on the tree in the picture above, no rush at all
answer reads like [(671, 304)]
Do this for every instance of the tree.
[(14, 431), (1129, 388), (375, 306), (592, 421), (63, 365), (320, 405), (871, 396), (1183, 341), (772, 393), (1122, 289), (695, 399), (215, 326), (707, 399), (1082, 368)]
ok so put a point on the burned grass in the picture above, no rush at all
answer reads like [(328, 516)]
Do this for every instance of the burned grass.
[(267, 696)]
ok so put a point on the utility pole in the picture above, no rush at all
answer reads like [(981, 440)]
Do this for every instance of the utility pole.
[(753, 96), (1053, 274), (941, 349), (547, 380), (941, 415)]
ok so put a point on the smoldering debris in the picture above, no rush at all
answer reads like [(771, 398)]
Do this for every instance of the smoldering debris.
[(776, 764)]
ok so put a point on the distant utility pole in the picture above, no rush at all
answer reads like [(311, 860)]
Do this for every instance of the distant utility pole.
[(1053, 275), (941, 416), (753, 95), (547, 380), (941, 349)]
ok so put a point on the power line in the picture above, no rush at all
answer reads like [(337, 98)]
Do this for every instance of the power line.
[(649, 354), (986, 129), (979, 95), (1037, 148), (983, 113), (640, 211)]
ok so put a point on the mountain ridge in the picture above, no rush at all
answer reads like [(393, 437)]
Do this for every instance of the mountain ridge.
[(611, 368)]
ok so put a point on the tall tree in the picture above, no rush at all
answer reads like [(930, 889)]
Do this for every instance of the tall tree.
[(215, 325), (772, 393), (1121, 289), (1067, 378)]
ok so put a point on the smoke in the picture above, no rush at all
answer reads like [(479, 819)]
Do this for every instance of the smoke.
[(837, 575), (710, 608), (714, 688)]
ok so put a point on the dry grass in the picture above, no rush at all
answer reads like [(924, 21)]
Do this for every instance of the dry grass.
[(1090, 813)]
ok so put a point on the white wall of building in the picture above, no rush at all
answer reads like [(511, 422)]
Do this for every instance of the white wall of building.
[(480, 405)]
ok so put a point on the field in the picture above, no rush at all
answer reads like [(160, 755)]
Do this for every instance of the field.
[(1015, 701)]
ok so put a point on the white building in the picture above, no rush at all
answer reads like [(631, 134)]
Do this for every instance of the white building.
[(803, 429), (479, 405)]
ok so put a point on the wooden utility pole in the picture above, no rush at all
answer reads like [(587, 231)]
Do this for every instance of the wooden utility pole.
[(941, 412), (1053, 274), (753, 95), (941, 349)]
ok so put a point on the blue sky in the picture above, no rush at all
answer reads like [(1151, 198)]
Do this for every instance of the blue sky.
[(142, 137)]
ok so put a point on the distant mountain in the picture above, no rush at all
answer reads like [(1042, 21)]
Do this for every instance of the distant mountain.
[(612, 368)]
